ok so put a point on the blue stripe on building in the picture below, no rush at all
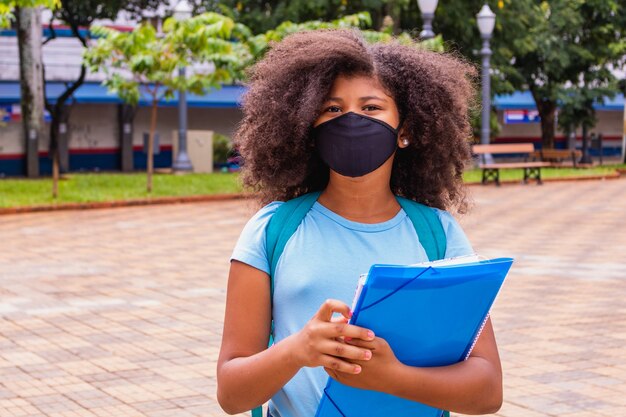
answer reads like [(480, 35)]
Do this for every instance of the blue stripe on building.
[(228, 96), (88, 162)]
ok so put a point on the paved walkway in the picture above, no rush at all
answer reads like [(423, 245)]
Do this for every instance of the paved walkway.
[(118, 313)]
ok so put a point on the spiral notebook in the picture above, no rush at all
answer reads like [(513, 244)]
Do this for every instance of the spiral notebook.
[(430, 314)]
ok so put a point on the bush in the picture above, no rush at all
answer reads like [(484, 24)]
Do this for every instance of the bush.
[(222, 148)]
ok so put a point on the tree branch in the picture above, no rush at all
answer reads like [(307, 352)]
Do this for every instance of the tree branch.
[(68, 92), (76, 32), (53, 34)]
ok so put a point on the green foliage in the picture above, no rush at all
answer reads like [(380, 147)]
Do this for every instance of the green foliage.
[(262, 15), (222, 148), (577, 103), (84, 12), (476, 123), (144, 59), (259, 44), (557, 42), (555, 49), (7, 7), (208, 38)]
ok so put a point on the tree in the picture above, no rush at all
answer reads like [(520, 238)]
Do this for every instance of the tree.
[(540, 46), (577, 104), (80, 14), (264, 15), (142, 62), (259, 44), (31, 84), (574, 45), (27, 14)]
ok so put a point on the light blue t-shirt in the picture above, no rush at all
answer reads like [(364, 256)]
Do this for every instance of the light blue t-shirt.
[(324, 259)]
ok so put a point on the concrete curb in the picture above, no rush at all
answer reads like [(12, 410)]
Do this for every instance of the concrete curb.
[(122, 203), (233, 196)]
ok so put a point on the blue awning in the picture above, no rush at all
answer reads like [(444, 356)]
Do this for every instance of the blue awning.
[(59, 32), (229, 96), (521, 100)]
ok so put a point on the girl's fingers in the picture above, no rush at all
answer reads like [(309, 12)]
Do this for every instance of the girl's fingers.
[(335, 364), (340, 319), (342, 350), (348, 331), (367, 344), (325, 313)]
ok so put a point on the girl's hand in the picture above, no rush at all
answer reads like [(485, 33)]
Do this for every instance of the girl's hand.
[(321, 340), (378, 373)]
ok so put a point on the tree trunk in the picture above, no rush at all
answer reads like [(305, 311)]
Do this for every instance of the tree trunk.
[(153, 119), (54, 153), (31, 79), (56, 112), (624, 136), (125, 117), (548, 120), (63, 140), (586, 157), (393, 10), (55, 174), (547, 113)]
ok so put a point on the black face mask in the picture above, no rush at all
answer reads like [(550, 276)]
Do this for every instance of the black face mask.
[(353, 144)]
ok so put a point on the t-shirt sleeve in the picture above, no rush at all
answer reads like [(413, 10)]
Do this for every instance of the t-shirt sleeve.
[(457, 242), (251, 248)]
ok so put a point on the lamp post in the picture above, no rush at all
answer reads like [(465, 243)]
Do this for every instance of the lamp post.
[(486, 20), (427, 8), (182, 163)]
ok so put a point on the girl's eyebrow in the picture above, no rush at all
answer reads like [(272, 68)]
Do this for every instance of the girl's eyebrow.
[(365, 98)]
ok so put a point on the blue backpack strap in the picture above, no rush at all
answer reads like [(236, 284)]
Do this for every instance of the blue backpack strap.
[(280, 228), (283, 225), (427, 226)]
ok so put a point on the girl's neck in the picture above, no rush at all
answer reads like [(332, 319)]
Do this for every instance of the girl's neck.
[(363, 200)]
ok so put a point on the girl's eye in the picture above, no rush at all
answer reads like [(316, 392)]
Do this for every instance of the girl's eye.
[(371, 108), (333, 109)]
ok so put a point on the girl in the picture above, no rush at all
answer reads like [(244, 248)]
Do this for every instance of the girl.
[(361, 123)]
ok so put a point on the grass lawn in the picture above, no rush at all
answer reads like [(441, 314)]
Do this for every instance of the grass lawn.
[(475, 175), (94, 187), (81, 188)]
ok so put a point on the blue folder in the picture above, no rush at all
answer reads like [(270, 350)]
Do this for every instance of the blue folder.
[(429, 315)]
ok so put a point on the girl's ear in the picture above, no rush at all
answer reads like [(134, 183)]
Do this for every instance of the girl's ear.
[(403, 139)]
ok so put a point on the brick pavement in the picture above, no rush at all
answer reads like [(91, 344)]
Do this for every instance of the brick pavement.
[(118, 313)]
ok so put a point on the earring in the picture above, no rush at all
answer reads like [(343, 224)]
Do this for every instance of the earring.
[(405, 142)]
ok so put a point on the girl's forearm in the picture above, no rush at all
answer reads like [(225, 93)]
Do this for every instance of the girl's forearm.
[(247, 382), (470, 387)]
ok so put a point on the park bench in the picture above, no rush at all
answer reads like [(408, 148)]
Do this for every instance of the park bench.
[(491, 170), (557, 157)]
